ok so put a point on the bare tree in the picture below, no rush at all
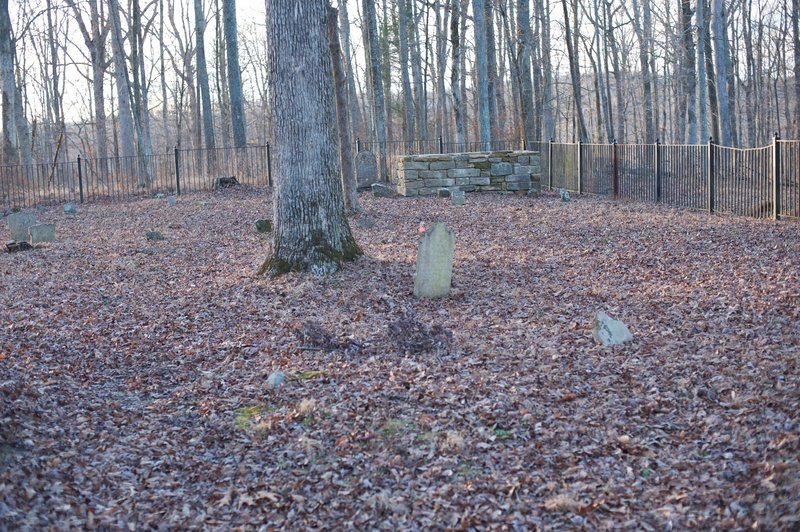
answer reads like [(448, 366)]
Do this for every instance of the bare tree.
[(482, 68), (202, 74), (234, 74), (311, 230), (123, 86), (8, 89), (408, 97), (718, 17), (575, 73), (370, 31)]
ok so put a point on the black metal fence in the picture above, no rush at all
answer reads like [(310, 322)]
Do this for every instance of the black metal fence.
[(757, 182), (122, 178)]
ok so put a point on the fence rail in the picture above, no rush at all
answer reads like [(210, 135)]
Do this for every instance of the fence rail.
[(759, 182)]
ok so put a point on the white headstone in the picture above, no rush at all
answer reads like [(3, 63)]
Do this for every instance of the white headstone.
[(18, 225), (42, 233), (434, 262), (608, 331)]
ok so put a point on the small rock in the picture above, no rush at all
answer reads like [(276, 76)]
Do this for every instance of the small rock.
[(159, 195), (366, 222), (533, 193), (13, 246), (564, 194), (70, 208), (154, 235), (276, 378), (459, 197), (263, 226), (382, 191), (444, 193), (608, 331), (171, 200)]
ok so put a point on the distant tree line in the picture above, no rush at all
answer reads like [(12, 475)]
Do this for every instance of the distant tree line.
[(121, 78)]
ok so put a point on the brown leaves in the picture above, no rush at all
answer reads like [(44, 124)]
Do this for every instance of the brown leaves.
[(133, 386)]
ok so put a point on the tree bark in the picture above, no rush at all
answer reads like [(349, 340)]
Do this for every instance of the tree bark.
[(376, 84), (352, 96), (234, 74), (575, 75), (524, 69), (123, 86), (687, 66), (8, 88), (408, 97), (202, 76), (348, 178), (420, 97), (311, 230), (796, 41), (718, 18), (548, 98), (482, 68), (702, 82), (455, 73)]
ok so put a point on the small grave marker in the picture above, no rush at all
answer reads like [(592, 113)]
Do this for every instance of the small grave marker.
[(459, 197), (42, 233), (366, 169), (70, 208), (263, 226), (434, 262)]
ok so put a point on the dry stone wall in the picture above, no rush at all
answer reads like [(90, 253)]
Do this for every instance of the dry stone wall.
[(497, 171)]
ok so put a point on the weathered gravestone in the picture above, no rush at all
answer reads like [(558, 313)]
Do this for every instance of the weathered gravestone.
[(366, 169), (444, 193), (42, 233), (459, 197), (172, 200), (70, 208), (18, 225), (564, 194), (435, 262), (379, 190), (263, 225)]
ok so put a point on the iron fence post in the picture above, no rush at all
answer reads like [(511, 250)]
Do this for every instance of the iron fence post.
[(710, 174), (550, 164), (358, 144), (658, 171), (580, 166), (177, 172), (776, 177), (614, 169), (80, 179), (441, 145), (269, 167)]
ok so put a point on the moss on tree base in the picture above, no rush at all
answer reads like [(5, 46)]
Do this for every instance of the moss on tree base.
[(321, 260)]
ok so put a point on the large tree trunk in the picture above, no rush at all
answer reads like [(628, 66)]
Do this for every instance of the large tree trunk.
[(601, 81), (482, 68), (234, 74), (408, 97), (702, 82), (349, 183), (687, 68), (311, 230), (202, 76), (376, 84), (455, 73), (142, 115), (644, 62), (123, 86), (548, 98), (420, 98), (442, 122), (524, 69), (718, 19)]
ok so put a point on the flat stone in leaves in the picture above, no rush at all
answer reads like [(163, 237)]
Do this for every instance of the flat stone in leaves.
[(18, 225), (434, 262), (70, 208), (275, 378), (608, 331), (154, 235), (172, 200), (382, 191)]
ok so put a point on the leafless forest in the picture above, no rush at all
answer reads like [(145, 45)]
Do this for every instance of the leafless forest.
[(104, 78)]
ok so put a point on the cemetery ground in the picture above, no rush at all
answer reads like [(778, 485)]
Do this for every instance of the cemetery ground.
[(135, 390)]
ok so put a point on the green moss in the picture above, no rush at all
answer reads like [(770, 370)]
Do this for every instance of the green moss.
[(483, 165), (309, 374), (324, 259), (244, 416), (505, 153)]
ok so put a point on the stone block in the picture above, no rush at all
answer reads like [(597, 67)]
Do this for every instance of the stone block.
[(523, 169), (495, 159), (432, 174), (434, 262), (463, 172), (469, 188), (502, 169), (41, 233), (414, 165), (518, 178), (442, 165), (463, 164), (447, 182), (524, 159), (479, 181), (518, 186), (408, 175)]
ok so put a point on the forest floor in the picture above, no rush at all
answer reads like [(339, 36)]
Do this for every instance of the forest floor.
[(133, 373)]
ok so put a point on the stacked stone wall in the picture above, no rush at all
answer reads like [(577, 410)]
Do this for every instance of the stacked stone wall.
[(497, 171)]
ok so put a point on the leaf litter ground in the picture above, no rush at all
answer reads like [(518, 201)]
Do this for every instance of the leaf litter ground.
[(133, 374)]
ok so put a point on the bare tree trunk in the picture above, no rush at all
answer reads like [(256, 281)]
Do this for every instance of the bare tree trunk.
[(202, 76), (311, 230), (548, 98), (142, 115), (408, 99), (644, 61), (796, 41), (482, 68), (126, 136), (386, 69), (711, 77), (352, 96), (370, 30), (8, 89), (495, 86), (234, 74), (524, 69), (455, 74), (688, 70), (702, 82), (163, 76), (575, 75), (442, 123), (348, 175), (718, 17), (601, 76), (420, 98)]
